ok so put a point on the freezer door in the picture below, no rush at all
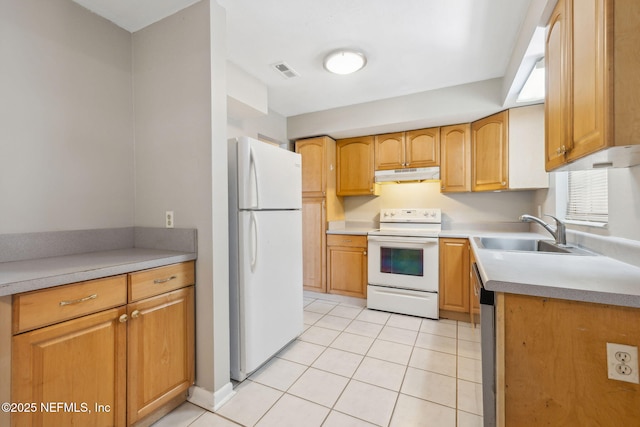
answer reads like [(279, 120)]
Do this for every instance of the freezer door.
[(268, 177), (271, 284)]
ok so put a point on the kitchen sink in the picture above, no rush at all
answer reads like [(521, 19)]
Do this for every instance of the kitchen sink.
[(528, 245)]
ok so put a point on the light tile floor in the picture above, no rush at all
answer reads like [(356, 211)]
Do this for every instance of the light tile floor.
[(358, 367)]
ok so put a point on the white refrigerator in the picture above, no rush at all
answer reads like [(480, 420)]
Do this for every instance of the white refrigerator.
[(265, 252)]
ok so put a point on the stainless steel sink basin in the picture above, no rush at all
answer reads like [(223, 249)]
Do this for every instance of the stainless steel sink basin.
[(527, 245)]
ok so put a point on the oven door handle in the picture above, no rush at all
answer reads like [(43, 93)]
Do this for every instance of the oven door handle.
[(403, 239)]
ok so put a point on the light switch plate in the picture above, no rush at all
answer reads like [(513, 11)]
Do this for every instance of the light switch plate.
[(622, 363)]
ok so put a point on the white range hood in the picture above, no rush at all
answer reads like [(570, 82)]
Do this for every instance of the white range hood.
[(408, 174)]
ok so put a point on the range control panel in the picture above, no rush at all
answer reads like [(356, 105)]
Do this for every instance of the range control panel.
[(431, 216)]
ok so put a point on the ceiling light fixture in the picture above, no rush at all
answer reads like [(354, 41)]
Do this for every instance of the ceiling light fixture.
[(344, 61)]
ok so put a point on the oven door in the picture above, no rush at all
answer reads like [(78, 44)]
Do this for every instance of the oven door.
[(403, 262)]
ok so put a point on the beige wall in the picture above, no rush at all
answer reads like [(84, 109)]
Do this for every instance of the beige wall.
[(66, 119)]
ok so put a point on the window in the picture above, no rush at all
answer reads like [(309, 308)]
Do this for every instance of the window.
[(588, 196)]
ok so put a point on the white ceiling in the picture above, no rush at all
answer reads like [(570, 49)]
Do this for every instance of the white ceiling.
[(412, 45)]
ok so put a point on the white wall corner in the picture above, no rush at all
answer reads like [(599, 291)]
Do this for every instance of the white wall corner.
[(247, 97), (208, 400)]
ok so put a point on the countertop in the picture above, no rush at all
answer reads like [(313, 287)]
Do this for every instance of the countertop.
[(589, 278), (359, 228), (29, 275), (32, 261)]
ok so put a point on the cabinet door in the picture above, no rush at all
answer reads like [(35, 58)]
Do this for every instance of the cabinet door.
[(454, 275), (314, 227), (557, 112), (588, 76), (314, 178), (355, 161), (455, 170), (474, 293), (81, 362), (389, 151), (347, 267), (422, 148), (160, 351), (489, 153)]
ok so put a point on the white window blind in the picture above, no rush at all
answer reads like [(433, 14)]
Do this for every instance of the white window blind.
[(588, 198)]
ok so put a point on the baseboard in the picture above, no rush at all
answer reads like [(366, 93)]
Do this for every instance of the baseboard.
[(211, 401)]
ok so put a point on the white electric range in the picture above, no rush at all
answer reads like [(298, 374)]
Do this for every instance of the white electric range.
[(403, 262)]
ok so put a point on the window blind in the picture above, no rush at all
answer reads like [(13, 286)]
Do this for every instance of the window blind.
[(588, 196)]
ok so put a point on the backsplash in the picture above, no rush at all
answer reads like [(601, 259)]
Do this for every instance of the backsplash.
[(457, 209)]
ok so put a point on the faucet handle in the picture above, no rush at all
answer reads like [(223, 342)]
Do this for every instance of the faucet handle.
[(561, 236)]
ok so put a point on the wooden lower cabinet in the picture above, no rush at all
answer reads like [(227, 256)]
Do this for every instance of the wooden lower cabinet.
[(347, 265), (551, 363), (115, 367), (160, 351), (81, 363), (314, 229), (454, 276), (474, 291)]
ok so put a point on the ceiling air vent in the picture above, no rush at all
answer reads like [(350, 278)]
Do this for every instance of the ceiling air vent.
[(285, 70)]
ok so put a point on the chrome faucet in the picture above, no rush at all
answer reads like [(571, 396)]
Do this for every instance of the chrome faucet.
[(560, 233)]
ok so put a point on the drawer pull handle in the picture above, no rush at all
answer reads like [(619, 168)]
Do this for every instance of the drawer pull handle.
[(135, 314), (77, 301), (158, 281)]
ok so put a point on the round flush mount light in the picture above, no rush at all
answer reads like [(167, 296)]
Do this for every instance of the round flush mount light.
[(344, 61)]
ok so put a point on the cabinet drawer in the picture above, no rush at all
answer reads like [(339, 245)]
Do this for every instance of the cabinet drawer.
[(45, 307), (347, 240), (147, 283)]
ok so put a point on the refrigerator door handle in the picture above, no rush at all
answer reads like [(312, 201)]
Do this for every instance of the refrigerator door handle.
[(254, 241), (253, 166)]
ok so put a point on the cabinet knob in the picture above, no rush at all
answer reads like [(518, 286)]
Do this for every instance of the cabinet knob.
[(504, 183), (123, 318), (364, 253), (135, 314)]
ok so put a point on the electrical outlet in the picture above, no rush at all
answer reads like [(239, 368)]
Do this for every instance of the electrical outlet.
[(168, 219), (622, 362)]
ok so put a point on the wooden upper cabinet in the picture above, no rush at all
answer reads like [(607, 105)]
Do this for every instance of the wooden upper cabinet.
[(490, 153), (557, 88), (413, 149), (588, 77), (593, 88), (314, 165), (422, 148), (455, 157), (355, 161), (389, 151)]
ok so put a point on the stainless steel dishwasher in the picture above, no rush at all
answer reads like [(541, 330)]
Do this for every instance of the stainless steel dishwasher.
[(488, 349)]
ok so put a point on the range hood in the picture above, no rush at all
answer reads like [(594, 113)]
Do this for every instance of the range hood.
[(408, 175)]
